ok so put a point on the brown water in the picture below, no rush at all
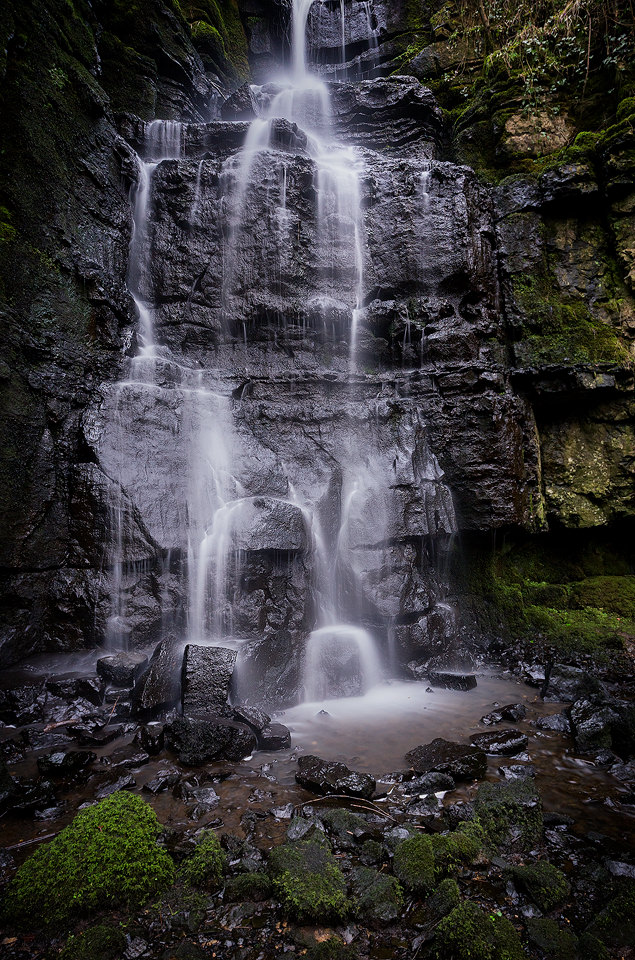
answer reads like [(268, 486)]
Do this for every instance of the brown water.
[(370, 734)]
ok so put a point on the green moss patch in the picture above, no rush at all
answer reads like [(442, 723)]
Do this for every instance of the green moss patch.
[(545, 884), (377, 897), (615, 924), (206, 866), (509, 813), (102, 942), (308, 881), (470, 932), (107, 856), (552, 941), (248, 886), (413, 865)]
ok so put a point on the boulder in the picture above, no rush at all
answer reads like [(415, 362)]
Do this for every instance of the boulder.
[(158, 689), (331, 777), (443, 756), (565, 683), (62, 764), (275, 736), (501, 742), (593, 720), (122, 669), (512, 712), (150, 738), (20, 705), (72, 688), (254, 717), (198, 740)]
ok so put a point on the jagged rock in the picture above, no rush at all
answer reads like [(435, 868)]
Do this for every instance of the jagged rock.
[(275, 736), (501, 742), (158, 689), (65, 764), (443, 756), (254, 717), (518, 771), (557, 722), (206, 678), (126, 782), (165, 779), (22, 705), (199, 739), (330, 777), (569, 683), (593, 721), (429, 783), (513, 712), (122, 669), (70, 689), (150, 738)]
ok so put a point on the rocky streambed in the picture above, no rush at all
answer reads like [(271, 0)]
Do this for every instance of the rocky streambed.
[(454, 813)]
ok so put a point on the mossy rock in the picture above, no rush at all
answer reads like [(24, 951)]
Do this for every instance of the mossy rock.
[(452, 851), (445, 898), (308, 881), (378, 898), (590, 948), (107, 857), (413, 865), (510, 814), (469, 932), (332, 949), (343, 824), (553, 941), (206, 865), (101, 942), (183, 908), (545, 884), (615, 924), (253, 887)]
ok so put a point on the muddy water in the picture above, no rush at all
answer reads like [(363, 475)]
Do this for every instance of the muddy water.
[(370, 734)]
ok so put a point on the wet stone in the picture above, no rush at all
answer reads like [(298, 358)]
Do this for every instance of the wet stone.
[(199, 739), (557, 722), (122, 669), (518, 771), (129, 758), (22, 705), (325, 777), (513, 712), (302, 829), (430, 783), (501, 742), (284, 812), (569, 683), (62, 764), (62, 712), (254, 717), (460, 761), (452, 681), (73, 688), (164, 780), (274, 737), (593, 721), (150, 737), (96, 736), (32, 795), (127, 782)]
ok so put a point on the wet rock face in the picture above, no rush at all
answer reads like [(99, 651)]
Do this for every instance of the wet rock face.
[(442, 756), (325, 777), (206, 678)]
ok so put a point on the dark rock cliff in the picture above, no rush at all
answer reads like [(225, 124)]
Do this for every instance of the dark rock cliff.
[(495, 343)]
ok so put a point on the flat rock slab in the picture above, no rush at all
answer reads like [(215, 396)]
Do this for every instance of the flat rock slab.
[(452, 681), (443, 756), (206, 678), (501, 743), (122, 669), (254, 717), (199, 739), (62, 764), (325, 777)]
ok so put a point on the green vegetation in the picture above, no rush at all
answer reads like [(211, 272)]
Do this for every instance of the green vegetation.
[(470, 932), (206, 866), (413, 865), (421, 861), (545, 884), (308, 881), (377, 897), (570, 593), (107, 856), (615, 924)]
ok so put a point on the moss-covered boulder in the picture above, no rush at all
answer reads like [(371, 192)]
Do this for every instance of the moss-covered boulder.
[(452, 851), (101, 942), (107, 857), (545, 884), (470, 932), (413, 865), (378, 898), (442, 902), (248, 887), (551, 940), (615, 924), (206, 865), (308, 881), (510, 814)]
